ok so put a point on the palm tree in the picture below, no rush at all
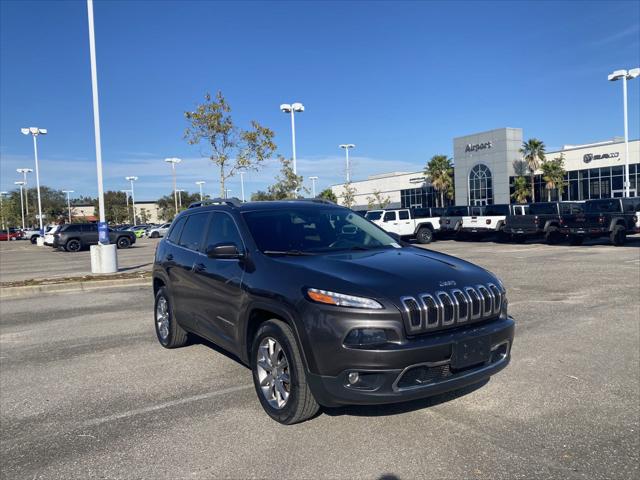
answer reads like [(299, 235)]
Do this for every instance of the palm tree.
[(521, 190), (553, 173), (533, 153), (440, 173)]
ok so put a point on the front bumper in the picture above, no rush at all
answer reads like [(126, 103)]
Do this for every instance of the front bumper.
[(420, 368)]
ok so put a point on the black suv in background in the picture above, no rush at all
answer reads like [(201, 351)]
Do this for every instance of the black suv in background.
[(612, 217), (325, 307), (542, 220), (73, 237)]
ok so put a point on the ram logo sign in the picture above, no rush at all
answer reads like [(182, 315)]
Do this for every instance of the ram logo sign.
[(589, 157)]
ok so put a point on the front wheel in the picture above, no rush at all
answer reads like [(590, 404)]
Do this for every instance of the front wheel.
[(424, 235), (34, 239), (279, 376), (553, 236), (169, 333), (154, 235)]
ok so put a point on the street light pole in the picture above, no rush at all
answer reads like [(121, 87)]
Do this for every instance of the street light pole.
[(34, 132), (313, 186), (227, 191), (346, 147), (625, 75), (68, 202), (242, 184), (2, 194), (200, 183), (21, 184), (180, 198), (133, 197), (174, 161), (24, 172), (291, 109)]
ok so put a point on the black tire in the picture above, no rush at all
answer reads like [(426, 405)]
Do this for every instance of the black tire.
[(123, 242), (155, 235), (301, 404), (553, 236), (73, 245), (424, 235), (175, 336), (576, 240), (618, 235), (502, 236), (34, 239)]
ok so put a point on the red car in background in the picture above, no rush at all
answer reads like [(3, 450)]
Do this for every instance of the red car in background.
[(14, 234)]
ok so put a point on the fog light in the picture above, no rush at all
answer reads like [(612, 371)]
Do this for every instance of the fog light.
[(353, 378), (360, 337)]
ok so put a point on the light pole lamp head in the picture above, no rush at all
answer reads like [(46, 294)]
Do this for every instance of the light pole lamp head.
[(34, 131), (24, 170), (297, 107), (285, 107), (347, 145), (131, 179), (200, 182), (633, 73), (67, 191), (313, 178), (21, 183), (173, 160), (617, 75)]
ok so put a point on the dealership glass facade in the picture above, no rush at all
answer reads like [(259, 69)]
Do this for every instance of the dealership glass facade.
[(421, 197), (480, 186), (590, 183)]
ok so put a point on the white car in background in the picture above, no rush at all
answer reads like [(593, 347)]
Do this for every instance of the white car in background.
[(49, 233), (160, 231), (418, 223), (491, 219)]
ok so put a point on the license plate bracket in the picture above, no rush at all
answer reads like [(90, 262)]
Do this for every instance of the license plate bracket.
[(471, 352)]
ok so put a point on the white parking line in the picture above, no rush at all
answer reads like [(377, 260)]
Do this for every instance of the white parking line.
[(153, 408)]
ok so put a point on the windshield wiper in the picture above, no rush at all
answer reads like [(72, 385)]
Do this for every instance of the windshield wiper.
[(294, 253)]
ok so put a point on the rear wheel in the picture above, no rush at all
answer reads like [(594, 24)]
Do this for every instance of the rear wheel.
[(155, 235), (123, 242), (576, 239), (73, 245), (169, 333), (553, 236), (618, 235), (424, 235), (279, 376), (34, 239)]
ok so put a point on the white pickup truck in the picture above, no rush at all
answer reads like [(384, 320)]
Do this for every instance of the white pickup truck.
[(418, 223), (490, 219)]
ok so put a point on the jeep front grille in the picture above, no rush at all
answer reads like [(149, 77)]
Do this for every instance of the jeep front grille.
[(446, 309)]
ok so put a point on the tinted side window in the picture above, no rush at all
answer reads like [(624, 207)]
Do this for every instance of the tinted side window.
[(90, 228), (222, 229), (70, 228), (404, 215), (437, 212), (193, 230), (389, 217), (418, 213), (543, 209), (174, 234)]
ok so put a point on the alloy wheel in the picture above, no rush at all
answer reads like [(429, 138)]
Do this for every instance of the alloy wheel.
[(273, 373), (162, 318)]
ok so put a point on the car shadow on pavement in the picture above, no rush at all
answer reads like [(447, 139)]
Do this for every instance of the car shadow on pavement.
[(403, 407), (134, 267)]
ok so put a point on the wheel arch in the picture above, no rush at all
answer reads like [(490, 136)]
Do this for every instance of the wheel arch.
[(428, 225)]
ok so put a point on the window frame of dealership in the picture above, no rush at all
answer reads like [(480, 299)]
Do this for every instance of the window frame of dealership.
[(487, 163)]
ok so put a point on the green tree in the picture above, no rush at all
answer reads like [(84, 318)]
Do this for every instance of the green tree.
[(439, 170), (231, 148), (533, 152), (115, 207), (166, 205), (328, 194), (378, 200), (521, 190), (348, 195), (260, 196), (553, 173), (287, 185)]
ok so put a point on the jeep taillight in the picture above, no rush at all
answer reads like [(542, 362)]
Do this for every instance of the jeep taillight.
[(448, 222), (601, 219)]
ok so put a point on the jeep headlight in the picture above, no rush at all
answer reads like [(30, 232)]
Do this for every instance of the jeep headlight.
[(341, 299)]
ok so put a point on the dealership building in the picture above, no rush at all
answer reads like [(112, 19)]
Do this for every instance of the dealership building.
[(487, 163)]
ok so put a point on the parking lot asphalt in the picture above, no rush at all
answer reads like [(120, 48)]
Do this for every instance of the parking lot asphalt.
[(20, 260), (87, 392)]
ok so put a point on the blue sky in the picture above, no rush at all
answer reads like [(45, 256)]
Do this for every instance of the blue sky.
[(398, 79)]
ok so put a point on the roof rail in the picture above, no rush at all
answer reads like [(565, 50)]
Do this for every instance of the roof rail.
[(233, 202), (314, 200)]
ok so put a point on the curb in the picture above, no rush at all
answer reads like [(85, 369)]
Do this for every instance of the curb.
[(68, 287)]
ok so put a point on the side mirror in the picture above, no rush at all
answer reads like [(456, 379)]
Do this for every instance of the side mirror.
[(224, 251)]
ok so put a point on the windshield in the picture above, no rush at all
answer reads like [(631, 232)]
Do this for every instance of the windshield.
[(314, 230), (374, 215)]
